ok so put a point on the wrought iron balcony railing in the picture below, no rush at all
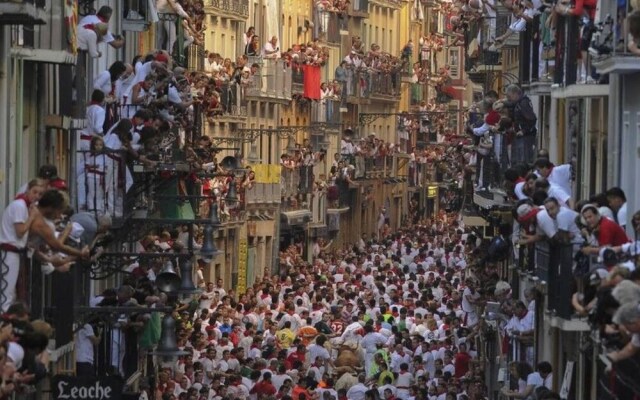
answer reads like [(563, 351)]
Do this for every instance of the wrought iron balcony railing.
[(232, 104), (326, 111), (330, 26), (297, 79), (232, 8), (367, 84), (359, 8)]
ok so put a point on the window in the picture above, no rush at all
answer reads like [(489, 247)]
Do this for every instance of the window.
[(453, 60)]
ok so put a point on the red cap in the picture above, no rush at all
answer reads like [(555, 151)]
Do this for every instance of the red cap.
[(492, 118), (162, 58), (59, 184)]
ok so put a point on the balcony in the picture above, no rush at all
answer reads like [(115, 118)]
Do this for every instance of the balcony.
[(232, 107), (327, 112), (610, 46), (385, 86), (25, 12), (364, 86), (297, 80), (236, 10), (359, 9), (394, 4), (553, 265), (194, 55), (272, 83), (331, 26)]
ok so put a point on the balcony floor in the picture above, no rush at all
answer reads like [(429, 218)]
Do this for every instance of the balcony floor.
[(23, 13), (618, 64), (579, 90), (490, 199)]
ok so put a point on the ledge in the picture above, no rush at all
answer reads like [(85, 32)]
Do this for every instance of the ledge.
[(618, 65), (567, 325), (43, 55), (490, 199), (539, 88), (579, 90), (23, 13), (341, 210)]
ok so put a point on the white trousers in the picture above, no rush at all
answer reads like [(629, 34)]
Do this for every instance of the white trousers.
[(10, 269), (95, 192)]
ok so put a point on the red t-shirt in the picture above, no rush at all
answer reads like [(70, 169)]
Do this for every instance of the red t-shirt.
[(337, 327), (462, 364), (264, 388), (610, 233)]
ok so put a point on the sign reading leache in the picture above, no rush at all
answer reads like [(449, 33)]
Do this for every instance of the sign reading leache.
[(71, 388)]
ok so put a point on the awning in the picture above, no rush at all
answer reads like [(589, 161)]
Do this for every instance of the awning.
[(295, 218)]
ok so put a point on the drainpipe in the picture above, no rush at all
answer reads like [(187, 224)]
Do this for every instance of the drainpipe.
[(18, 65), (5, 163)]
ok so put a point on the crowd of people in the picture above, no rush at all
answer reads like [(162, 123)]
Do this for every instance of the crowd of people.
[(394, 315), (588, 239), (504, 134)]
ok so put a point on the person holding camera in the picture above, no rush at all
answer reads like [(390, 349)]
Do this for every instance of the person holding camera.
[(271, 49)]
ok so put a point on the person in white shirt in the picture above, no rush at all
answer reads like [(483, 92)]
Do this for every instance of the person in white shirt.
[(469, 298), (16, 222), (369, 343), (541, 377), (555, 191), (207, 296), (95, 114), (106, 80), (399, 357), (565, 220), (356, 392), (88, 36), (103, 16), (560, 175), (618, 202), (167, 29), (85, 341), (271, 49), (404, 381)]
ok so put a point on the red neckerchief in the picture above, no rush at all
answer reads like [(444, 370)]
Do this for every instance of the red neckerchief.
[(94, 103), (551, 169), (89, 26), (520, 180), (103, 20), (23, 197)]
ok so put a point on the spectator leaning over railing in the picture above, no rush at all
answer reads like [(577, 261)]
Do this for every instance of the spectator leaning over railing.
[(167, 34), (271, 50), (103, 16), (585, 10), (524, 119), (603, 231), (88, 37)]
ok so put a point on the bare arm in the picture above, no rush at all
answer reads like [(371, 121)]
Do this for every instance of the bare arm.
[(23, 227), (40, 228)]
